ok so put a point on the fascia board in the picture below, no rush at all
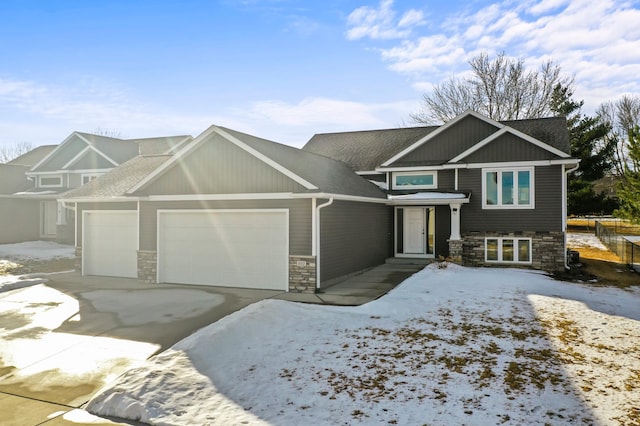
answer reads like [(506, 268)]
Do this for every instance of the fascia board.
[(56, 149)]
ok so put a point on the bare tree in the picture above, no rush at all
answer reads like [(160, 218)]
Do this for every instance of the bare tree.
[(622, 116), (107, 132), (501, 88), (10, 152)]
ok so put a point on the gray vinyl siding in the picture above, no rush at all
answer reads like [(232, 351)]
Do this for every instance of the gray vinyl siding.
[(354, 236), (378, 177), (19, 219), (443, 230), (218, 166), (74, 180), (547, 215), (128, 205), (446, 180), (299, 218), (63, 155), (91, 161), (451, 142), (509, 147)]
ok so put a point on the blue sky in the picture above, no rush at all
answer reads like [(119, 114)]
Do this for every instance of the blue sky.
[(282, 69)]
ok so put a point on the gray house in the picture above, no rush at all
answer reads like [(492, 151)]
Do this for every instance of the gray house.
[(231, 209), (53, 170)]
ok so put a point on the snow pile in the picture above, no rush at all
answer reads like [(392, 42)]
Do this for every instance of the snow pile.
[(579, 240), (11, 282), (36, 250), (451, 345)]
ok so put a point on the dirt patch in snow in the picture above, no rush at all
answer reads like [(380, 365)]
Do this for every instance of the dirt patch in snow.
[(34, 266)]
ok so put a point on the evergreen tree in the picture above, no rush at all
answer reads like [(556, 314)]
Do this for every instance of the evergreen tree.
[(629, 187), (588, 142)]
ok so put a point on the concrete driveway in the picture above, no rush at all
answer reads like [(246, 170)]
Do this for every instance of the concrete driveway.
[(60, 342)]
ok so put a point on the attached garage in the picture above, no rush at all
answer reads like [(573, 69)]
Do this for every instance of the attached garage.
[(110, 243), (227, 248)]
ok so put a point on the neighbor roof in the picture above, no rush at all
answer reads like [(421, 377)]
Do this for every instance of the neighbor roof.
[(366, 150), (119, 180), (34, 156)]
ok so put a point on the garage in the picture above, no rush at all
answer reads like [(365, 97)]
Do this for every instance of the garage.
[(110, 243), (227, 248)]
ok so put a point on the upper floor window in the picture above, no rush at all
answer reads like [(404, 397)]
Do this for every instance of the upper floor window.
[(415, 180), (50, 181), (508, 188), (86, 178)]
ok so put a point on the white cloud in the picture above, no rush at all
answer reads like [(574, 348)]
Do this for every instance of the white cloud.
[(598, 42), (381, 23)]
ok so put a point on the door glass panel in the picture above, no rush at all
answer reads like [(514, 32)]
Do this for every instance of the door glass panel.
[(491, 188), (507, 187), (492, 249), (507, 250)]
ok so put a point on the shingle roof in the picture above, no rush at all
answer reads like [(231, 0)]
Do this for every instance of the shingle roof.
[(162, 145), (366, 150), (33, 157), (330, 176), (119, 180)]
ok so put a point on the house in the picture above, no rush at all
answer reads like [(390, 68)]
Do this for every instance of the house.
[(53, 170), (231, 209)]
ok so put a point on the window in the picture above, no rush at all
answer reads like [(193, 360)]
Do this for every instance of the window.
[(508, 188), (88, 178), (415, 180), (508, 250), (50, 181)]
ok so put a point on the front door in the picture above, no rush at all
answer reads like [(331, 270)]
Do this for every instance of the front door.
[(415, 231), (414, 225), (48, 219)]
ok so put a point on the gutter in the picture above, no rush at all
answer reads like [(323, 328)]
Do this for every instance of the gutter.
[(316, 228)]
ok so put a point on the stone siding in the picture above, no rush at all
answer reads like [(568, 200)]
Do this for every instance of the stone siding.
[(147, 266), (455, 251), (302, 274), (77, 264), (547, 249)]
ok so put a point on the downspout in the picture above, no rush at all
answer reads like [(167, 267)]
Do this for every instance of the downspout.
[(564, 210), (316, 249)]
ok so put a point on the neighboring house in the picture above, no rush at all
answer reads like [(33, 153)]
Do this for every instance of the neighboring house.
[(80, 158), (19, 217), (230, 209)]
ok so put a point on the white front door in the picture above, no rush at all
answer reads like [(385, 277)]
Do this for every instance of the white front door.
[(110, 243), (414, 224), (48, 219)]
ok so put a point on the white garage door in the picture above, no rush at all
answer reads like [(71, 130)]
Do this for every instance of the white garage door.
[(229, 248), (110, 243)]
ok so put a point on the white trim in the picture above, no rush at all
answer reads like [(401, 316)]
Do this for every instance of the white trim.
[(98, 151), (68, 172), (368, 172), (77, 156), (59, 185), (314, 230), (138, 226), (318, 251), (515, 206), (178, 146), (246, 210), (515, 240), (481, 165), (75, 228), (207, 197), (439, 130), (455, 179), (429, 202), (341, 197), (102, 199), (433, 173), (514, 132)]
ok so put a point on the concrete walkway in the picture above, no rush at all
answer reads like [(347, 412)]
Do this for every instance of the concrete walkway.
[(61, 341)]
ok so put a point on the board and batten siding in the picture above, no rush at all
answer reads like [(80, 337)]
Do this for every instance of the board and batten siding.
[(547, 215), (63, 155), (509, 147), (451, 142), (91, 160), (217, 166), (354, 236), (299, 218), (125, 205)]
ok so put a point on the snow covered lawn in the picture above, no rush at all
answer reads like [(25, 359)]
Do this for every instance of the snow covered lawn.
[(12, 256), (451, 345)]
